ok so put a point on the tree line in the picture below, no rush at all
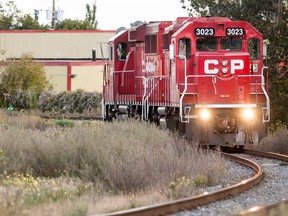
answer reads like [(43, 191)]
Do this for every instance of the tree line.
[(11, 18)]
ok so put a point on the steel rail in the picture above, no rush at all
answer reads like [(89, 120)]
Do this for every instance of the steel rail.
[(279, 208), (266, 154), (71, 117), (205, 198)]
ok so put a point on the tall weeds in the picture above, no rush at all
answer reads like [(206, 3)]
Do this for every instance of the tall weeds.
[(277, 141), (117, 158)]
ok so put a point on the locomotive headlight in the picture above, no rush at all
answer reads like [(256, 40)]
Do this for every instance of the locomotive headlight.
[(248, 114), (204, 114), (224, 70)]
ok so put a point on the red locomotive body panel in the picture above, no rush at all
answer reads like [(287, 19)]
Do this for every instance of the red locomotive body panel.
[(170, 72), (220, 73)]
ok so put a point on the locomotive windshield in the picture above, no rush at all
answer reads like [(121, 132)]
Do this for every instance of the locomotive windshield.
[(211, 44), (234, 44), (206, 44)]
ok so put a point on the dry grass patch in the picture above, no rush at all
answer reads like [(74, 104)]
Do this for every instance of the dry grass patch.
[(104, 166), (277, 141)]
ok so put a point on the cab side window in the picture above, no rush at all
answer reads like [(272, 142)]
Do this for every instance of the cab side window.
[(254, 48), (184, 48), (121, 51)]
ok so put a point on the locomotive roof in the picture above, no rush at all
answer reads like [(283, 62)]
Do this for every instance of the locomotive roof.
[(172, 26)]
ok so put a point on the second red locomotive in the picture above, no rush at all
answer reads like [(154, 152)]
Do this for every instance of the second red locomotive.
[(201, 76)]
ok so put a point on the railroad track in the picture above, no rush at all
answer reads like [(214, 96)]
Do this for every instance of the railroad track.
[(190, 203), (200, 200), (84, 118)]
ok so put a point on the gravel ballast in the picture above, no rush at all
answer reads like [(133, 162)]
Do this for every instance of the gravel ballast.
[(272, 189)]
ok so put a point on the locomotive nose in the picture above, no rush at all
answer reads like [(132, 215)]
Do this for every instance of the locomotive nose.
[(223, 64)]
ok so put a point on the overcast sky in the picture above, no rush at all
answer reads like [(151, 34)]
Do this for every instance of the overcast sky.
[(111, 14)]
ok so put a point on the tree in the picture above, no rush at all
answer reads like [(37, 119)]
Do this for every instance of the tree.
[(69, 24), (11, 19), (91, 15), (89, 23), (8, 16), (28, 22), (257, 10), (23, 75)]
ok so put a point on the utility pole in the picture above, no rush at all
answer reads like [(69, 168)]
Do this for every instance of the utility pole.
[(53, 14)]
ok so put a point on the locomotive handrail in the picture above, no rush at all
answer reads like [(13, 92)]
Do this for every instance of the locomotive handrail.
[(267, 98), (154, 86), (149, 94), (215, 76), (144, 96), (125, 71), (264, 92), (185, 89)]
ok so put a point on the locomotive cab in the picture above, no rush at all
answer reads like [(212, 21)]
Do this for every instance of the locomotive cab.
[(118, 53)]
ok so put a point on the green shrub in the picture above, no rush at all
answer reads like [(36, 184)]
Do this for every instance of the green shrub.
[(277, 126), (64, 123), (70, 102), (24, 86), (22, 81), (21, 99)]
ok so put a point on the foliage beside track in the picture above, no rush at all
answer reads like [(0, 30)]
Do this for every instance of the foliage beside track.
[(24, 86), (98, 160), (276, 141), (21, 82), (51, 103), (70, 102)]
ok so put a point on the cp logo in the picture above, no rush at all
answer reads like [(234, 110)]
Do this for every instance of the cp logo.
[(211, 66)]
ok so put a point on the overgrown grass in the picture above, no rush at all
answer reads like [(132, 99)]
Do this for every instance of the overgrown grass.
[(96, 164), (276, 141)]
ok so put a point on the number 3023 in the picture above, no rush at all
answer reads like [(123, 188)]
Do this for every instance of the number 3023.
[(235, 31), (204, 31)]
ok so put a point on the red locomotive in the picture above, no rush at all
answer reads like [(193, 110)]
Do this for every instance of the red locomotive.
[(201, 76)]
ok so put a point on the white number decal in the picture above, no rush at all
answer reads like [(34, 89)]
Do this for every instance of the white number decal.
[(204, 31), (235, 31)]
